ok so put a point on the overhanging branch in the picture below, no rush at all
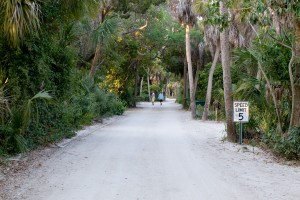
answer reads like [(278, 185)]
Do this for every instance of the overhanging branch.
[(136, 29)]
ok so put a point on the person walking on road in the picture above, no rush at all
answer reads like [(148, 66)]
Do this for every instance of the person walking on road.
[(152, 98), (161, 98)]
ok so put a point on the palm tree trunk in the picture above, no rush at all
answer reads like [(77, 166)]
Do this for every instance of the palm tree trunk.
[(295, 115), (190, 70), (148, 83), (185, 84), (293, 118), (95, 61), (224, 40), (258, 77), (199, 65), (136, 81), (101, 17), (209, 84), (141, 86), (196, 79)]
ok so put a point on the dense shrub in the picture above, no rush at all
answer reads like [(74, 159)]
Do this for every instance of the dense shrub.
[(77, 100), (55, 120), (180, 98), (288, 146), (128, 97), (143, 97), (117, 107)]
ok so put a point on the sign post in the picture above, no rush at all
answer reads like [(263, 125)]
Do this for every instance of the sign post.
[(241, 114)]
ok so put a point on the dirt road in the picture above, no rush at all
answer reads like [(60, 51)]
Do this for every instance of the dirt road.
[(157, 153)]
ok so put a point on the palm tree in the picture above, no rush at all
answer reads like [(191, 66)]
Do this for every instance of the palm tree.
[(183, 10), (105, 9), (295, 121), (227, 84), (19, 18), (240, 35)]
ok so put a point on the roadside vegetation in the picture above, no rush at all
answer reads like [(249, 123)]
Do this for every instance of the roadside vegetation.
[(65, 64)]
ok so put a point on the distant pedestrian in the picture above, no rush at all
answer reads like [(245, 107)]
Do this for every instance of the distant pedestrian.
[(152, 98), (161, 98)]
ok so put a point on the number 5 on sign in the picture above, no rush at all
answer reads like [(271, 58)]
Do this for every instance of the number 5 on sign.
[(241, 111)]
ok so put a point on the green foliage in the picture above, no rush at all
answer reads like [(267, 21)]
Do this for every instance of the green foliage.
[(288, 146), (213, 15), (179, 97), (156, 88), (274, 59), (117, 107), (107, 30), (128, 97), (14, 131), (135, 6), (74, 9), (12, 141), (217, 92), (59, 118), (45, 64), (20, 18), (143, 97)]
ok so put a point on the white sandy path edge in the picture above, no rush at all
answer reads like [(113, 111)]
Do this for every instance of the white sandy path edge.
[(250, 166), (13, 181)]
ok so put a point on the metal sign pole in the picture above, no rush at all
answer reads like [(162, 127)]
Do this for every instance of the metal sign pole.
[(241, 132)]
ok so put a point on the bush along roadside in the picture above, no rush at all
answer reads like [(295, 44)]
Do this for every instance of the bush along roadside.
[(287, 146), (45, 118)]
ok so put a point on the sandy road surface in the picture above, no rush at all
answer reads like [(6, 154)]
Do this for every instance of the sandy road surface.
[(157, 153)]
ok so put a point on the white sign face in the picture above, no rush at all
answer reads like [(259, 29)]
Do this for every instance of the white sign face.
[(240, 111)]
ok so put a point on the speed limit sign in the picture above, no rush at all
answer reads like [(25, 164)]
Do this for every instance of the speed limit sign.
[(241, 111)]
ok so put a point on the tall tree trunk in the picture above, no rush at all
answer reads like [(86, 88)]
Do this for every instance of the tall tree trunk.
[(96, 58), (166, 88), (295, 115), (148, 84), (190, 70), (185, 83), (141, 86), (209, 84), (136, 82), (196, 79), (199, 65), (258, 77), (95, 61), (293, 111), (227, 84), (101, 17)]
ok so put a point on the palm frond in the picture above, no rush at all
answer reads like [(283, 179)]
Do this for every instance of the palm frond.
[(106, 30), (200, 7), (242, 58), (4, 100), (28, 107), (42, 94), (20, 19), (78, 8), (251, 89)]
